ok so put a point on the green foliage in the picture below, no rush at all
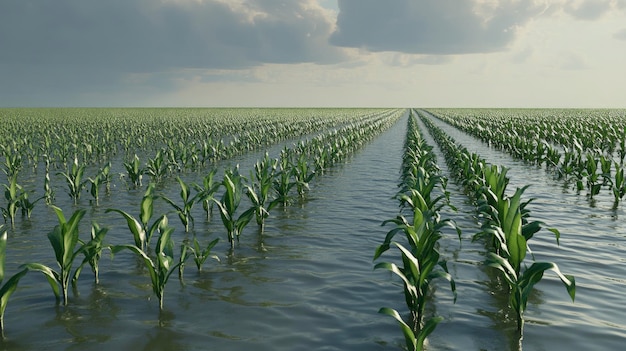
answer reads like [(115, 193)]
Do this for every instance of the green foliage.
[(64, 240), (10, 285), (229, 204), (183, 210), (161, 267)]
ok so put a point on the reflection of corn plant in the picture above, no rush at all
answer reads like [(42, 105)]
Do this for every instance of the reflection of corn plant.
[(92, 251), (229, 203), (206, 192), (9, 287), (162, 266), (134, 170), (64, 239), (141, 230), (74, 180), (184, 210)]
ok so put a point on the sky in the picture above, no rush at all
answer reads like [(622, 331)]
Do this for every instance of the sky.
[(313, 53)]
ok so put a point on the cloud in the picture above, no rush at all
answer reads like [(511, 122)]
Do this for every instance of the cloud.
[(621, 35), (432, 27), (588, 9), (74, 44)]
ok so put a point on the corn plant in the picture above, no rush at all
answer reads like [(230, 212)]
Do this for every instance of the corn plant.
[(513, 244), (229, 204), (74, 180), (302, 175), (282, 182), (260, 191), (105, 177), (94, 189), (200, 254), (141, 229), (26, 204), (421, 261), (48, 190), (11, 284), (206, 192), (12, 193), (64, 240), (12, 162), (161, 266), (157, 167), (183, 210), (619, 186), (135, 171), (92, 251)]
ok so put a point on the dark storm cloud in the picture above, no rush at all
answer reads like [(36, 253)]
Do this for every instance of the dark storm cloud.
[(74, 44), (430, 27)]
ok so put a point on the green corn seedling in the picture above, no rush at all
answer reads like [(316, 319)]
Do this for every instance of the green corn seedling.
[(260, 191), (64, 240), (141, 230), (206, 192), (200, 255), (135, 171), (229, 203), (162, 266), (12, 193), (9, 287), (92, 251), (74, 180), (513, 248), (184, 210)]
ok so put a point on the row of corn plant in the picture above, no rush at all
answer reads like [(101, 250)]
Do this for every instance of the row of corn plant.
[(72, 253), (422, 193), (588, 151), (506, 228)]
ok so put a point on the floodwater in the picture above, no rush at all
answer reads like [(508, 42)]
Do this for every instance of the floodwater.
[(307, 281)]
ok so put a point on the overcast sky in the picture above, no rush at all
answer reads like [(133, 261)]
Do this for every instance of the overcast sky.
[(308, 53)]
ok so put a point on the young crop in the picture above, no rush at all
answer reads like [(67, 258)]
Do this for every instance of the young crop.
[(200, 254), (9, 287), (74, 180), (141, 229), (64, 240), (135, 171), (161, 266), (229, 204), (26, 204), (206, 192), (513, 243), (92, 251), (183, 210), (157, 167), (282, 182), (302, 175), (260, 191), (421, 261), (12, 193)]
